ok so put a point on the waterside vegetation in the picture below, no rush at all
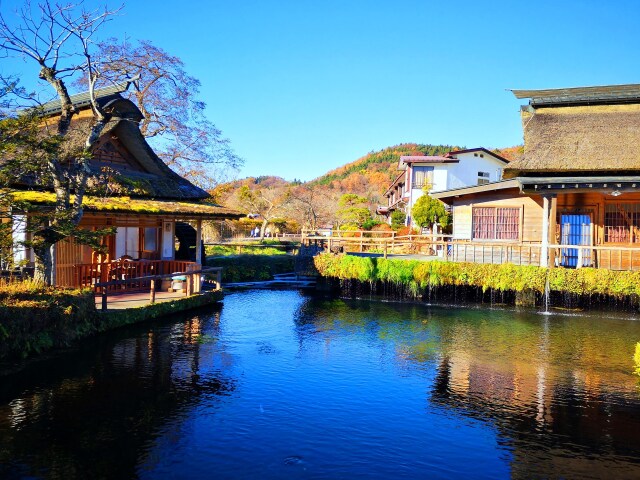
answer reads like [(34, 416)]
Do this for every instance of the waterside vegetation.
[(418, 276), (35, 318)]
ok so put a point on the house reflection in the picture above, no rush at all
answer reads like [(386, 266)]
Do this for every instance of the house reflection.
[(556, 418), (557, 389), (96, 413)]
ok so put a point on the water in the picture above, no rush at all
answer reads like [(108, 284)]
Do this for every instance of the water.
[(278, 385)]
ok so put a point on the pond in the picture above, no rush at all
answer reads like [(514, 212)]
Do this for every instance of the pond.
[(276, 384)]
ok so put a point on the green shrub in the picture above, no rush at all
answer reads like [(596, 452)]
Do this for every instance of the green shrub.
[(503, 277), (244, 268)]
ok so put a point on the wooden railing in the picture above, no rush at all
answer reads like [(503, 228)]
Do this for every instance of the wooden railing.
[(449, 249), (192, 279), (88, 275)]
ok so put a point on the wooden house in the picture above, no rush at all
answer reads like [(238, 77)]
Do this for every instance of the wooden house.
[(578, 182), (130, 189)]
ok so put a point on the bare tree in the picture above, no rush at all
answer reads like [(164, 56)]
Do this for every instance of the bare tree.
[(174, 119), (57, 39), (312, 205), (269, 203)]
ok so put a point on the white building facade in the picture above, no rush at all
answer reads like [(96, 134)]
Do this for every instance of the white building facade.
[(456, 169)]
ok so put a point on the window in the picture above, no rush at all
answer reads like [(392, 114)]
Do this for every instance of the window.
[(492, 223), (127, 242), (622, 223), (151, 239), (422, 176), (483, 178)]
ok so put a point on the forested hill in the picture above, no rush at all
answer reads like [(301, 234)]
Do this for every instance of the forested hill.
[(368, 176), (375, 170)]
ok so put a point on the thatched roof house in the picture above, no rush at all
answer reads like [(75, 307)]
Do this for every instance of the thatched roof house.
[(130, 189), (580, 131)]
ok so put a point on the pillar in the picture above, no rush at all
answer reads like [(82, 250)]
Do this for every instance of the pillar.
[(544, 250), (199, 242)]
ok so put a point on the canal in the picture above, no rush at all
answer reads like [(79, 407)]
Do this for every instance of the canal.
[(276, 384)]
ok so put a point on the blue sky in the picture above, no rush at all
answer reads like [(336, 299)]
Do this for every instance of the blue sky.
[(301, 87)]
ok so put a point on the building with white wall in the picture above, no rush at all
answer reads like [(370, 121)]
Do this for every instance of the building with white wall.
[(456, 169)]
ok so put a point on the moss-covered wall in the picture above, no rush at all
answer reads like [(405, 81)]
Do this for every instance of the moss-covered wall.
[(416, 276), (35, 319)]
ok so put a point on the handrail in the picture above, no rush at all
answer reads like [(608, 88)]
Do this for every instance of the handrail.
[(615, 257), (153, 278)]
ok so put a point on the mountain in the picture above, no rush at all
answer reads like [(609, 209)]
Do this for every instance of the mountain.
[(368, 176)]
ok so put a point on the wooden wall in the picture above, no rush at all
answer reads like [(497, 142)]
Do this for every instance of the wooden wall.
[(530, 212)]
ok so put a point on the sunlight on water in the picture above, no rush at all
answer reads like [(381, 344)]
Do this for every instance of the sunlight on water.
[(278, 385)]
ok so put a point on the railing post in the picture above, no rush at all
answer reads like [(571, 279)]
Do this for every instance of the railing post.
[(104, 298), (219, 279), (580, 260), (152, 292)]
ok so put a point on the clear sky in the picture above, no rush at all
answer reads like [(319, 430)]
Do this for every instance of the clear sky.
[(304, 86)]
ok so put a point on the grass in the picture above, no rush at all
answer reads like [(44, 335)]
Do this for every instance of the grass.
[(245, 268)]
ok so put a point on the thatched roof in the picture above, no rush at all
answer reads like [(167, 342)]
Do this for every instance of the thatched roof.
[(579, 139), (146, 175), (126, 205)]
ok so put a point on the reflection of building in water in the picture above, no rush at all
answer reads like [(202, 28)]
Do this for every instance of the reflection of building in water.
[(555, 421), (110, 401)]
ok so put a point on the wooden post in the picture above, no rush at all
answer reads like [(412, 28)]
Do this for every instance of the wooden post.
[(544, 250), (580, 260), (189, 280), (219, 279), (386, 245), (199, 242), (104, 298), (552, 229), (152, 291)]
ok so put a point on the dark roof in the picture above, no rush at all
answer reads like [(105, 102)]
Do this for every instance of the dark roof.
[(81, 100), (447, 195), (151, 179), (453, 153), (427, 159), (607, 94)]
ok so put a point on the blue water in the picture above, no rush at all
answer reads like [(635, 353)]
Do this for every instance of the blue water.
[(275, 384)]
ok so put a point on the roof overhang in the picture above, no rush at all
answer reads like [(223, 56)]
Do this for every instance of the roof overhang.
[(612, 185), (116, 206), (453, 153), (487, 187), (606, 94), (427, 159)]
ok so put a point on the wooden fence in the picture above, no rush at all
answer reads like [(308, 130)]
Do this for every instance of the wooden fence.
[(446, 248), (192, 279), (88, 275)]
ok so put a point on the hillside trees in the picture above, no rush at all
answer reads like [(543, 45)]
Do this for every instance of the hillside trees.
[(56, 39), (175, 119)]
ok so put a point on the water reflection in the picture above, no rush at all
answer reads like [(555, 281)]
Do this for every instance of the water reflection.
[(277, 385), (559, 388), (93, 413)]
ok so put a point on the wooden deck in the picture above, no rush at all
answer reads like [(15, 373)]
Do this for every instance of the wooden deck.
[(122, 301)]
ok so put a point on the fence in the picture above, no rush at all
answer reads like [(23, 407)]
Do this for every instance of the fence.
[(192, 280), (88, 275), (449, 249)]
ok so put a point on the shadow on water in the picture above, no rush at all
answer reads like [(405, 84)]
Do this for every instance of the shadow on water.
[(89, 413)]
